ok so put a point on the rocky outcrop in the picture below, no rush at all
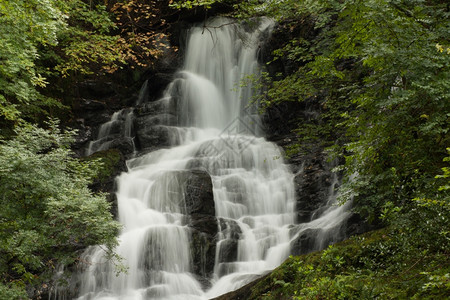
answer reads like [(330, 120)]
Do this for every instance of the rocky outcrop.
[(200, 212), (231, 234), (153, 126)]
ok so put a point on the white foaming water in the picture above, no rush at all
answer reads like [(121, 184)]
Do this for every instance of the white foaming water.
[(253, 188)]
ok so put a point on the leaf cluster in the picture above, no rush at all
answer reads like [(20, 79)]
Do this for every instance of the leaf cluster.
[(45, 39), (142, 26), (386, 264), (377, 73), (25, 26), (48, 212)]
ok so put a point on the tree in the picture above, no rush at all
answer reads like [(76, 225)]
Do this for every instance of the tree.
[(48, 212), (49, 38), (380, 70), (25, 25)]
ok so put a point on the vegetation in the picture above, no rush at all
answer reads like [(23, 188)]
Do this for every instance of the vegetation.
[(57, 38), (48, 213), (384, 264), (378, 70)]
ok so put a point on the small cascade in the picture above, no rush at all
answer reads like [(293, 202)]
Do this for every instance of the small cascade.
[(143, 94), (120, 128), (326, 225), (217, 187)]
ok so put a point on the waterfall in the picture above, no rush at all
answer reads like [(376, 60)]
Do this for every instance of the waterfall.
[(213, 131), (120, 125)]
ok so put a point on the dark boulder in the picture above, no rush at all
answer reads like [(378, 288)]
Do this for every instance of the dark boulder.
[(199, 194), (228, 250), (154, 108), (155, 137), (200, 211), (152, 120), (203, 250), (230, 234), (306, 241), (124, 144), (96, 89), (312, 187)]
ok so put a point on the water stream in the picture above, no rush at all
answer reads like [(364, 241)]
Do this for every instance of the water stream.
[(215, 131)]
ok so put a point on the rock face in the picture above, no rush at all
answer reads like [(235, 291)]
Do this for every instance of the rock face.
[(200, 211)]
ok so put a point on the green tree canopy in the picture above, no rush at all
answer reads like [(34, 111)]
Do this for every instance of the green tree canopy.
[(48, 212), (49, 38), (381, 72)]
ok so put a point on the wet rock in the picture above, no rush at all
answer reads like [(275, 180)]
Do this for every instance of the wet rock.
[(204, 223), (200, 211), (96, 89), (124, 144), (203, 250), (311, 187), (92, 112), (305, 242), (280, 120), (154, 137), (154, 108), (230, 233), (355, 225), (199, 194), (82, 138), (228, 250), (152, 120), (158, 81)]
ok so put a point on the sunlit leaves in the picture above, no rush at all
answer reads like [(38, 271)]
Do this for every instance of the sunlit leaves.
[(86, 46), (192, 3)]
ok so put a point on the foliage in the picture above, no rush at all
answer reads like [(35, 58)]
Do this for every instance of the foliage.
[(12, 292), (48, 213), (109, 159), (86, 46), (41, 39), (407, 85), (142, 25), (378, 72), (384, 264), (25, 26), (191, 4)]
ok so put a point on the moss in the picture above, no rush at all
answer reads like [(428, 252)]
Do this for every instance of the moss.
[(373, 265), (111, 160)]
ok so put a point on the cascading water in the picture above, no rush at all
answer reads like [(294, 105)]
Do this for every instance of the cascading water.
[(120, 125), (253, 189)]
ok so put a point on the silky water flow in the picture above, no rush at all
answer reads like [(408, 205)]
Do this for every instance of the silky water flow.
[(217, 131)]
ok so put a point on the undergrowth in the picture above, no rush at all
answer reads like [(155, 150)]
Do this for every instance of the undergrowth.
[(383, 264)]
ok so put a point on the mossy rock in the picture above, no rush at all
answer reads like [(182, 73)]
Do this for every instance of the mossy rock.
[(378, 264), (113, 164)]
